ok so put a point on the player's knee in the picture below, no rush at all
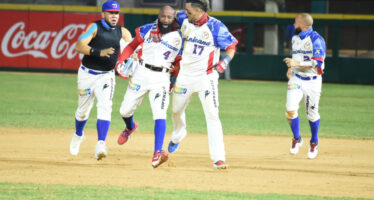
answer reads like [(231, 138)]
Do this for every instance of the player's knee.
[(313, 116), (81, 115), (291, 114), (104, 113), (159, 115)]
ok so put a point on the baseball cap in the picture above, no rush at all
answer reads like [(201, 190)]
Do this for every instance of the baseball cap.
[(110, 6)]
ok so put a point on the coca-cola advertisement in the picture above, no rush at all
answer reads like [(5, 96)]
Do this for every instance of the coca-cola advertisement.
[(42, 40)]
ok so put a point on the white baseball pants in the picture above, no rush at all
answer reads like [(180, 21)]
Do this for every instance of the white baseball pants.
[(310, 90), (146, 81), (90, 86), (207, 89)]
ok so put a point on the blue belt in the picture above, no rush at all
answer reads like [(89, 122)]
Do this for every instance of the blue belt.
[(306, 78), (92, 71)]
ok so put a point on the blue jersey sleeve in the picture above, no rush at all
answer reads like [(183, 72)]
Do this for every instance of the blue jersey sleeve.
[(180, 17), (319, 49), (143, 30), (221, 35)]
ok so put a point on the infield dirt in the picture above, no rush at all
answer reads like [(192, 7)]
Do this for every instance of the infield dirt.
[(258, 164)]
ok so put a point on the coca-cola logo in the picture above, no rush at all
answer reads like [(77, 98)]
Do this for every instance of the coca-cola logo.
[(17, 42)]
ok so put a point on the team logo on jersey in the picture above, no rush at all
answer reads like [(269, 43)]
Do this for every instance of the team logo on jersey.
[(179, 90), (84, 92), (205, 35), (307, 46), (292, 86), (317, 52), (134, 86), (176, 42)]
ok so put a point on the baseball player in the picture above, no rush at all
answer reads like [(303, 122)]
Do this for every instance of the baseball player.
[(305, 80), (100, 44), (161, 44), (203, 36)]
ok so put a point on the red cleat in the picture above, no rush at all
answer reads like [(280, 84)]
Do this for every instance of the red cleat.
[(122, 139)]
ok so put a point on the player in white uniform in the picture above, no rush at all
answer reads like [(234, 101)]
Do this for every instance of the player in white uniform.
[(100, 44), (305, 80), (204, 36), (161, 45)]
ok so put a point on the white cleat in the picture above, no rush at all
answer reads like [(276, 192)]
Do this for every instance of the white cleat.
[(313, 150), (296, 144), (100, 150), (75, 144)]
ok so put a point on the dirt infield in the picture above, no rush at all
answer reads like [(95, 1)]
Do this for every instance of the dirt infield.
[(257, 164)]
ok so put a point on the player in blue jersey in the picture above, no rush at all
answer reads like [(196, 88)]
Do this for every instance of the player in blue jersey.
[(305, 70)]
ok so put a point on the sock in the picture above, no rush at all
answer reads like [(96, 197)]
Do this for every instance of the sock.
[(102, 129), (314, 129), (79, 126), (295, 127), (160, 129), (129, 122)]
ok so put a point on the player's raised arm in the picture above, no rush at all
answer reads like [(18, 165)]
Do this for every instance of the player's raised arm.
[(130, 48)]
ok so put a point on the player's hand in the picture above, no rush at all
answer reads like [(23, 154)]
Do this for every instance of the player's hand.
[(289, 72), (121, 70), (107, 52), (291, 62), (220, 67)]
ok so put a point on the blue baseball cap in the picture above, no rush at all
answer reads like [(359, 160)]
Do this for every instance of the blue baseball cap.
[(110, 6)]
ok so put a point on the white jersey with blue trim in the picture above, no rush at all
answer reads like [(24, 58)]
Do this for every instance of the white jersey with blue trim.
[(309, 47), (161, 53), (202, 45)]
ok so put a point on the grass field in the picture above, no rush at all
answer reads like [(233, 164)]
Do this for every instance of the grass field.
[(48, 101), (246, 107)]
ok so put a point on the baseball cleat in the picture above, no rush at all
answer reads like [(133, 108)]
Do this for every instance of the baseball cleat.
[(296, 144), (220, 165), (172, 147), (75, 144), (100, 150), (122, 139), (159, 158), (313, 150)]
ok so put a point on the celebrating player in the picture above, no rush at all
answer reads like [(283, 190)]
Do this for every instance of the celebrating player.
[(305, 80), (100, 44), (204, 36), (161, 45)]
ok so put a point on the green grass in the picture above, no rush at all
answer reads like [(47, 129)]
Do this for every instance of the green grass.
[(36, 100), (50, 192)]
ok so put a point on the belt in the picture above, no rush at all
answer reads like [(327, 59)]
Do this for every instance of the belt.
[(157, 69), (94, 72), (306, 78)]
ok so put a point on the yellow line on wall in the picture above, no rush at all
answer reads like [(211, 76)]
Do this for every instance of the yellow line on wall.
[(152, 11)]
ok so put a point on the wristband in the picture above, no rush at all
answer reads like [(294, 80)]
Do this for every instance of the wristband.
[(95, 52), (226, 60)]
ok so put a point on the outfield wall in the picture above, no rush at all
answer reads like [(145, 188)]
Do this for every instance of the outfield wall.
[(44, 37)]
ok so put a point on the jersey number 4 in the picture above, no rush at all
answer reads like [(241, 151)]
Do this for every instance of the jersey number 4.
[(167, 54)]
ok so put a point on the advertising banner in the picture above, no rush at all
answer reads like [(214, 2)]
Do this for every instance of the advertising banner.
[(42, 40)]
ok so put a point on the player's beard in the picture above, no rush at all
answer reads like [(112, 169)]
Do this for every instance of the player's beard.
[(164, 30), (297, 31)]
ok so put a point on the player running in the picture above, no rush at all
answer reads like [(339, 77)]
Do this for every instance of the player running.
[(161, 44), (100, 44), (204, 36), (305, 80)]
